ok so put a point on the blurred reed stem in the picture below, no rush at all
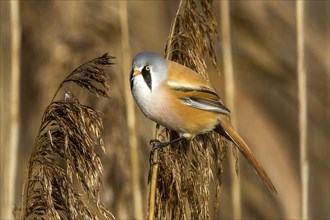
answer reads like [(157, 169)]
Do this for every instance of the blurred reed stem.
[(302, 96), (230, 95), (10, 90), (153, 181), (130, 113)]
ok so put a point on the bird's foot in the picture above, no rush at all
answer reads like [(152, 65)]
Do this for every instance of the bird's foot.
[(156, 145)]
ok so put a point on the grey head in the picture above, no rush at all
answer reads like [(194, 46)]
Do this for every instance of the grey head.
[(152, 67)]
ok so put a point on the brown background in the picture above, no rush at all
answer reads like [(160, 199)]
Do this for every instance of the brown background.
[(58, 36)]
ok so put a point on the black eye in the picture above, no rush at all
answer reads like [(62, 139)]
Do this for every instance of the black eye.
[(148, 68)]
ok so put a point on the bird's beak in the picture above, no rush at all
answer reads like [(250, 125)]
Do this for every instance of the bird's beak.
[(136, 72)]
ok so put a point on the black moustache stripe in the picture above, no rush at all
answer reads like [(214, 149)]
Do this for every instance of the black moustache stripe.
[(147, 77), (131, 78)]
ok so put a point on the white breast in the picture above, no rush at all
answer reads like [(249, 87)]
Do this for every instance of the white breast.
[(154, 104), (143, 96)]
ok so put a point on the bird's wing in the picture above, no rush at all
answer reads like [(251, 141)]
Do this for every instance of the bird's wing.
[(193, 90)]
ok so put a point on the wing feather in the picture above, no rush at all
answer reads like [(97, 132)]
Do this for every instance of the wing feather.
[(193, 90)]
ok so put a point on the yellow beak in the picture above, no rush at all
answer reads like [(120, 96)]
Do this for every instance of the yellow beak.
[(136, 72)]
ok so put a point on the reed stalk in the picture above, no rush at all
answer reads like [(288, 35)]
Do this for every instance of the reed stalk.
[(302, 99), (130, 113), (230, 97), (10, 89)]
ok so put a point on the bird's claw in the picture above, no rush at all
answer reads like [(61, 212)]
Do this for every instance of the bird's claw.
[(154, 141), (156, 145)]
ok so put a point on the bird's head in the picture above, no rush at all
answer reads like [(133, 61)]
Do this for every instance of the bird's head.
[(149, 66)]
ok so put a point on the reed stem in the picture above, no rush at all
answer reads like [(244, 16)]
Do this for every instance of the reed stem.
[(302, 96), (230, 96), (130, 113)]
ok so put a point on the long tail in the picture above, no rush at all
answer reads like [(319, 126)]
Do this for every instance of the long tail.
[(225, 129)]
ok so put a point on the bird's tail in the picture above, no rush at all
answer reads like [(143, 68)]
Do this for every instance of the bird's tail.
[(225, 129)]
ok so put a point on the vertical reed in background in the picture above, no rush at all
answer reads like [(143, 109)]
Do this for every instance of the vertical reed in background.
[(10, 84), (132, 138), (302, 96), (229, 82)]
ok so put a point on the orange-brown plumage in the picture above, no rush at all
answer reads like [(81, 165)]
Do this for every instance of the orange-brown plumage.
[(181, 100)]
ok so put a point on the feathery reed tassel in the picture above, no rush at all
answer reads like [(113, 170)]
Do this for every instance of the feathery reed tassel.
[(185, 170), (65, 152)]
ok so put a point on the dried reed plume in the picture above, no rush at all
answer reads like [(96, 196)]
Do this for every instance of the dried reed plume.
[(181, 174), (64, 153)]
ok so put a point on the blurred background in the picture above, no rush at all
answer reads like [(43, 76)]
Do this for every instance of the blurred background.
[(54, 37)]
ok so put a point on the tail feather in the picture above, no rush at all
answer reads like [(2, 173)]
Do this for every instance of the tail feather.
[(226, 130)]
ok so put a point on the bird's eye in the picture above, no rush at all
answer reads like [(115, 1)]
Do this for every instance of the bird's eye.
[(148, 68)]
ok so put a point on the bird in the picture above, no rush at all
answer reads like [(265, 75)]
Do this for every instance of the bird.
[(181, 100)]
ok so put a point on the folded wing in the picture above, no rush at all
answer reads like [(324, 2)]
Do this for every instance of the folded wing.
[(196, 93)]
